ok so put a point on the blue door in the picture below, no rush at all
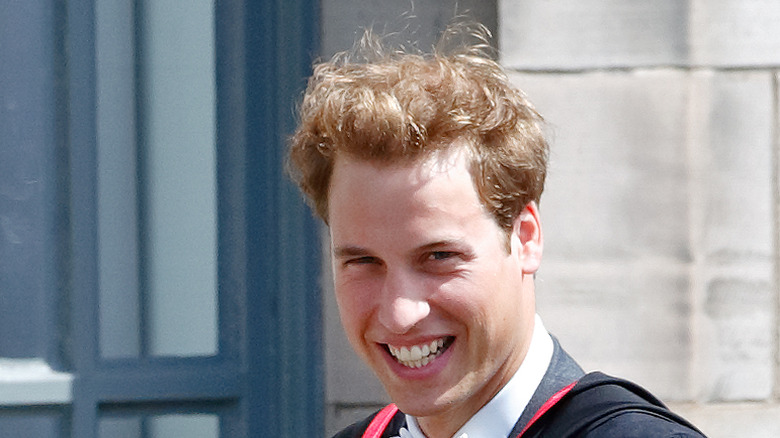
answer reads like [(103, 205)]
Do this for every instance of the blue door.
[(172, 281)]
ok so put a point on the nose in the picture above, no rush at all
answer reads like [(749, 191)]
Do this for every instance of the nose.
[(403, 304)]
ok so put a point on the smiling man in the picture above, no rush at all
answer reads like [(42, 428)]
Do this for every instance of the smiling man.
[(429, 296), (428, 170)]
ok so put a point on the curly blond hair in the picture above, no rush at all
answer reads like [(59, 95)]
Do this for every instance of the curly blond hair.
[(389, 106)]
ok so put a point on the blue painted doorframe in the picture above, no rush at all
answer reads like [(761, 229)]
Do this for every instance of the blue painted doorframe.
[(266, 379), (283, 245)]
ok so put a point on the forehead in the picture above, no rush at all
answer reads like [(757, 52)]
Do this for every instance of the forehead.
[(435, 195), (430, 173)]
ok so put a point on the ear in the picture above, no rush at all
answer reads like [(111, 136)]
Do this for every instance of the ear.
[(527, 239)]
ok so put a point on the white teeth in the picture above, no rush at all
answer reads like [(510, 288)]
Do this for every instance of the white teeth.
[(418, 355)]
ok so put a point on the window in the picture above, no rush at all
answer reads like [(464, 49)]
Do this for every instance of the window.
[(177, 286)]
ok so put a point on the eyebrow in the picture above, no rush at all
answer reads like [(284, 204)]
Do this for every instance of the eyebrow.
[(441, 243), (350, 251), (358, 251)]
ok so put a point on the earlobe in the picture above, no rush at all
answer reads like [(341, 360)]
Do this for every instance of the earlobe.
[(527, 233)]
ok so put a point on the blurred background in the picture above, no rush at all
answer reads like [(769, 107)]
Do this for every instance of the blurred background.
[(160, 277)]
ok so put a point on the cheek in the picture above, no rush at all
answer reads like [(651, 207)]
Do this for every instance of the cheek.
[(354, 308), (465, 301), (483, 301)]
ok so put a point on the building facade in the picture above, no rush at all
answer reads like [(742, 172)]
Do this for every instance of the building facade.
[(660, 212), (160, 277)]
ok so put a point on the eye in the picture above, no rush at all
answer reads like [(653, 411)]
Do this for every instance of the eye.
[(365, 260), (441, 255), (442, 262)]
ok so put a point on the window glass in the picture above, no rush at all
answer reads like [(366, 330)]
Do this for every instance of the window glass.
[(190, 426), (160, 426), (179, 176), (157, 180), (120, 428), (117, 176)]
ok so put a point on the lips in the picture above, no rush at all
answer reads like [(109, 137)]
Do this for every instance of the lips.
[(420, 355)]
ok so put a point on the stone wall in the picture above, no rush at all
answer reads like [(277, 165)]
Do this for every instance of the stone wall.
[(660, 214)]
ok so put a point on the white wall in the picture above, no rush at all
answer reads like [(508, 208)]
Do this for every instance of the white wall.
[(660, 212)]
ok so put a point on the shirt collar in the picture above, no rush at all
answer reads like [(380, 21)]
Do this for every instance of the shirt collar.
[(498, 417)]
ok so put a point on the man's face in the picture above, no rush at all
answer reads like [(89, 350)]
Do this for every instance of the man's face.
[(429, 296)]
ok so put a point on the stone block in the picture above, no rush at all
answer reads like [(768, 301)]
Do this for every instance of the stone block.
[(617, 182), (729, 420), (777, 242), (663, 167), (576, 34), (629, 319), (408, 22), (339, 417), (736, 335), (733, 239), (731, 137), (735, 33)]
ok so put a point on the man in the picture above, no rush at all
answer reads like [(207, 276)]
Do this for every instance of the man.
[(428, 171)]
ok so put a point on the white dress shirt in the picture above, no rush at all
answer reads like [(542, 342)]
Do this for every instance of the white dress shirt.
[(498, 417)]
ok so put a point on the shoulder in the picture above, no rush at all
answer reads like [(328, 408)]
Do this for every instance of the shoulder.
[(625, 409), (354, 430), (359, 428), (603, 406), (640, 425)]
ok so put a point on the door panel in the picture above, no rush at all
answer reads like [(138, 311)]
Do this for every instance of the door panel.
[(177, 285)]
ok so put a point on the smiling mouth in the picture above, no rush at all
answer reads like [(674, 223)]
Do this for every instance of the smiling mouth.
[(420, 355)]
